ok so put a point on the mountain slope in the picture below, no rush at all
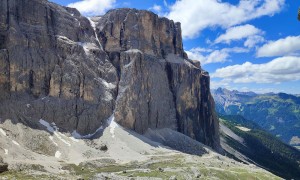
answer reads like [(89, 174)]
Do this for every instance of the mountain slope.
[(113, 153), (278, 114), (255, 145)]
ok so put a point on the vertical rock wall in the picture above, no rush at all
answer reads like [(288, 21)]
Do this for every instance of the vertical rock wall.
[(59, 66), (159, 87)]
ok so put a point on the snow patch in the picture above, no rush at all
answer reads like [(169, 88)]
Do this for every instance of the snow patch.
[(57, 154), (76, 135), (47, 125), (243, 128), (73, 139), (5, 151), (28, 105), (105, 83), (51, 138), (3, 132), (53, 129), (108, 85), (112, 125), (59, 136), (134, 51), (15, 143), (93, 24)]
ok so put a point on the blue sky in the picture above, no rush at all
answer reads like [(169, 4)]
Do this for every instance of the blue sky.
[(248, 45)]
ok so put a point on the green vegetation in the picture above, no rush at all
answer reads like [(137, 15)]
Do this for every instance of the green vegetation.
[(264, 148), (160, 167), (23, 175)]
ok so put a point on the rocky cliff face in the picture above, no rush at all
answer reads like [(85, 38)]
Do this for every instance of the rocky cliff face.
[(75, 72)]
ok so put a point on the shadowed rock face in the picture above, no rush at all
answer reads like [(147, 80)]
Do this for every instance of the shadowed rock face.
[(3, 166), (52, 67), (58, 66)]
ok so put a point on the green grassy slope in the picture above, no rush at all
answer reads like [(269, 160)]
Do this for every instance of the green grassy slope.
[(263, 148)]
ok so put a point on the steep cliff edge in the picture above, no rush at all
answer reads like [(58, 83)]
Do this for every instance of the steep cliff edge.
[(75, 72)]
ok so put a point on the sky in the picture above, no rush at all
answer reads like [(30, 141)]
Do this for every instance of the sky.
[(246, 45)]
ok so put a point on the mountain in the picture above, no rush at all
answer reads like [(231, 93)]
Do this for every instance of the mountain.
[(75, 72), (276, 113), (246, 141), (107, 97)]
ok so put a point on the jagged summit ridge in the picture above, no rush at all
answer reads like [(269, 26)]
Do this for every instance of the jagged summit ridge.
[(64, 68), (124, 29)]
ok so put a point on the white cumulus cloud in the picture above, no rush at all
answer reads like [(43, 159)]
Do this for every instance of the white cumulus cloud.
[(207, 56), (286, 46), (253, 41), (198, 15), (156, 8), (276, 71), (238, 33), (93, 7)]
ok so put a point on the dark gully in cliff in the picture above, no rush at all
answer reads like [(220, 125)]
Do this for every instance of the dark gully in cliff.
[(76, 72)]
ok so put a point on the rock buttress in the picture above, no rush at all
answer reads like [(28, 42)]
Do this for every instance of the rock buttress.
[(159, 87)]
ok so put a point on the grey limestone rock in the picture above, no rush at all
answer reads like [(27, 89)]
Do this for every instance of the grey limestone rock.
[(59, 66), (159, 87), (51, 51)]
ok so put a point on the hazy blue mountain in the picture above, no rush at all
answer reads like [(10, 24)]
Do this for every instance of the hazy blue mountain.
[(279, 113)]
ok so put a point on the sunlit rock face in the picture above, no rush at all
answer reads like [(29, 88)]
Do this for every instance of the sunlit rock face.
[(59, 66)]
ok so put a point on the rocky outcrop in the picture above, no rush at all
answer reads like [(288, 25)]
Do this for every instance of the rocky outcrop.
[(159, 87), (3, 166), (52, 67), (75, 72)]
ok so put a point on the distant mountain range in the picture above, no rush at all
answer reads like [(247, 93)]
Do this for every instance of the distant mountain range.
[(278, 114)]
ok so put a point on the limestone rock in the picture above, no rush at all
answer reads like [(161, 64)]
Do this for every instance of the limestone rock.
[(52, 51), (124, 29), (61, 67), (157, 89)]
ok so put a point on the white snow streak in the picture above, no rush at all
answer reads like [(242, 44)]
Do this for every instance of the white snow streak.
[(133, 51), (3, 132), (51, 138), (57, 154), (15, 143), (93, 24), (54, 129), (76, 135), (47, 125), (243, 128), (112, 125), (73, 139), (5, 151), (59, 136)]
